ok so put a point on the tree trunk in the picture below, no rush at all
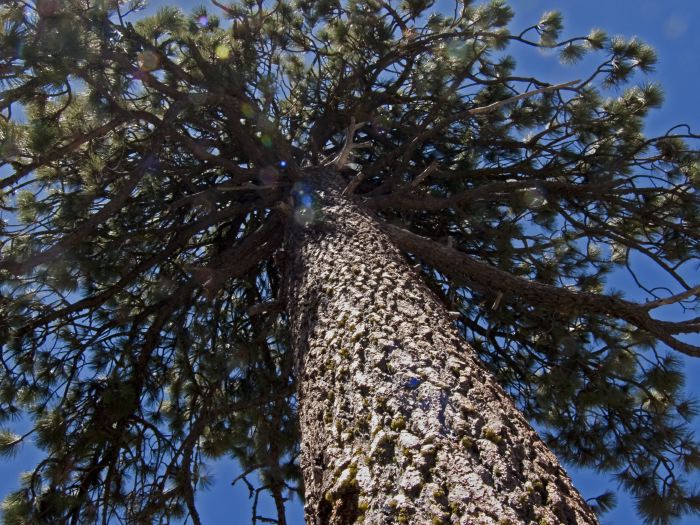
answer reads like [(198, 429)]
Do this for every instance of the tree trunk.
[(399, 421)]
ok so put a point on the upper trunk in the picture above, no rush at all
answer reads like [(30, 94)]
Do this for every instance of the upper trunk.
[(399, 421)]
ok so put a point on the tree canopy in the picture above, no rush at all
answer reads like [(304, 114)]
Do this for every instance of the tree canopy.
[(151, 165)]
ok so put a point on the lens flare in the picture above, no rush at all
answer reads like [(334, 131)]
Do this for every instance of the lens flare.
[(675, 26), (305, 209), (148, 60), (306, 200), (304, 216), (222, 52)]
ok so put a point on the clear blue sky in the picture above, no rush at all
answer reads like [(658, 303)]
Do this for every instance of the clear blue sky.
[(668, 26)]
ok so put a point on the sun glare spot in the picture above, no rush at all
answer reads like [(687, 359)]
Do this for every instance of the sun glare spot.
[(304, 205), (222, 52), (304, 216), (247, 110), (675, 26)]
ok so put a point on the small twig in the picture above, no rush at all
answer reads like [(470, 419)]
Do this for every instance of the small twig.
[(497, 301), (650, 305), (244, 479)]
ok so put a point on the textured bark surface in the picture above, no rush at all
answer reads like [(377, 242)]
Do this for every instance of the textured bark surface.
[(399, 422)]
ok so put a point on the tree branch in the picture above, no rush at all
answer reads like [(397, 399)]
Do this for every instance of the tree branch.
[(486, 277)]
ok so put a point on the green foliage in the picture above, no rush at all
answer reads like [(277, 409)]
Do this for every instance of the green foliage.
[(9, 443), (572, 53), (549, 27), (603, 503), (495, 14), (143, 203), (596, 39), (167, 21)]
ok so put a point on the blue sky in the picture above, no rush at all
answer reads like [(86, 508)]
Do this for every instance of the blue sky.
[(668, 26)]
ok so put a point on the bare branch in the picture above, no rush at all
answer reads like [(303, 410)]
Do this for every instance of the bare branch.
[(344, 156), (527, 94)]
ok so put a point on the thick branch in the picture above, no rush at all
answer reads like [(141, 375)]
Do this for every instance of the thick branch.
[(483, 276), (496, 190), (241, 258)]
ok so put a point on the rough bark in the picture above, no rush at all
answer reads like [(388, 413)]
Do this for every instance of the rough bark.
[(399, 421)]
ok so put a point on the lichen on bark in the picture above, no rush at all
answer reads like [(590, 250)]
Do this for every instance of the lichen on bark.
[(400, 423)]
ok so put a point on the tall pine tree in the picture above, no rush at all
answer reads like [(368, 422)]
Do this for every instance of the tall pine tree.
[(345, 243)]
